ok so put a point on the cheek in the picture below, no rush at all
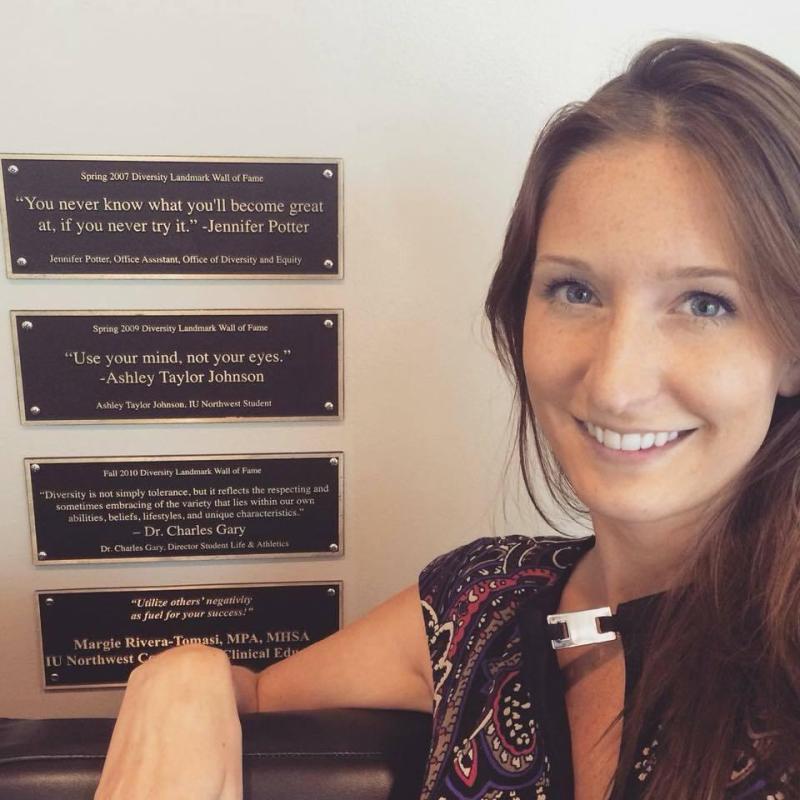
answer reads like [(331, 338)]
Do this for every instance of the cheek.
[(737, 395), (540, 347)]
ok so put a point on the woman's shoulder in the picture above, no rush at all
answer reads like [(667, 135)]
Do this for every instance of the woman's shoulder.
[(499, 564)]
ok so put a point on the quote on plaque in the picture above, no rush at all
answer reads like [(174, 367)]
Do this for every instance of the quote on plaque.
[(97, 637), (182, 366), (194, 506), (83, 217)]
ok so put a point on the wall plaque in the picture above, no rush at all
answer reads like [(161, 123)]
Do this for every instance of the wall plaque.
[(151, 217), (177, 366), (123, 509), (96, 637)]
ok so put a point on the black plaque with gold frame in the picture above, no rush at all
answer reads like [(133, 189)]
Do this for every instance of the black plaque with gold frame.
[(129, 509), (79, 216), (80, 367), (94, 638)]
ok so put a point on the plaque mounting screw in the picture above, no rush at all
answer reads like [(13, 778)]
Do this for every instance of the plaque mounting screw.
[(328, 407), (328, 323), (327, 263), (27, 325), (35, 467), (331, 592), (48, 601), (42, 554), (334, 462), (13, 169), (35, 410), (327, 173), (54, 677), (22, 262), (334, 548)]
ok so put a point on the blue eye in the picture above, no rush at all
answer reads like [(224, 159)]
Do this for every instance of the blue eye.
[(715, 302), (704, 305), (577, 293)]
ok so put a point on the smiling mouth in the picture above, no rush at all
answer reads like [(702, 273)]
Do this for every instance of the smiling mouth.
[(631, 444), (637, 454)]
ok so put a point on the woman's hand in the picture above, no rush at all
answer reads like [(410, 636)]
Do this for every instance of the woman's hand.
[(178, 735)]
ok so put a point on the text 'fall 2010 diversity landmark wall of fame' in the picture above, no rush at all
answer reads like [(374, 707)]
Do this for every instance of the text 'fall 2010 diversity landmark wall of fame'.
[(119, 217)]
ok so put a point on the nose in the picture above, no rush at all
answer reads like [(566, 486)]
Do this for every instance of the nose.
[(625, 366)]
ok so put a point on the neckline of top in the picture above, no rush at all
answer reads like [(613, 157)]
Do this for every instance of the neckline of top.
[(626, 607)]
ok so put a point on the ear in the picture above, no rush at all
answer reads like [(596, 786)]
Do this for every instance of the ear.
[(789, 384)]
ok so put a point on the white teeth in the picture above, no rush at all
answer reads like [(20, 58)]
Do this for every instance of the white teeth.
[(630, 441)]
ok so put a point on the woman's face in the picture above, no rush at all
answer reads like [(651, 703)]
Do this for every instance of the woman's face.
[(628, 330)]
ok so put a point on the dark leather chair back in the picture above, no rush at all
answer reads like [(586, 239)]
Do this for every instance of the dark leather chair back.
[(349, 754)]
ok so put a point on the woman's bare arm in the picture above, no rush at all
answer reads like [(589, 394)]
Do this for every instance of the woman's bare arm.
[(178, 735), (379, 661)]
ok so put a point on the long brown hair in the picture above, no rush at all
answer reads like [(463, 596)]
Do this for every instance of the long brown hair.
[(726, 657)]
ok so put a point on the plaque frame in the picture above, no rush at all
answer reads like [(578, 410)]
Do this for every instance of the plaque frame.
[(337, 273), (338, 313), (337, 585), (188, 458)]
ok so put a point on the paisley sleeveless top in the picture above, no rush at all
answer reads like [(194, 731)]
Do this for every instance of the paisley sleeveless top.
[(500, 729)]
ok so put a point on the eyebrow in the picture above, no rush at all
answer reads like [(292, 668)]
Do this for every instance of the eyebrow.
[(664, 275)]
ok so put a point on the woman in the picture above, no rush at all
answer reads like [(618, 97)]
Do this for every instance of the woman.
[(646, 305)]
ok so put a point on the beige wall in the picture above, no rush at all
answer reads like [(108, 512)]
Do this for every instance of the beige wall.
[(433, 107)]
